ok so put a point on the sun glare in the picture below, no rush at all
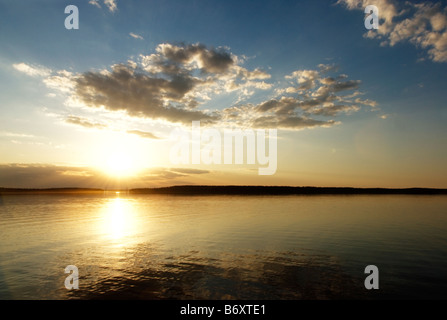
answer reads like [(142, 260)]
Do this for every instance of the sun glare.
[(120, 165), (119, 220), (121, 155)]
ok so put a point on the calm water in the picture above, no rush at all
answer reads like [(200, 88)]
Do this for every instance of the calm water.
[(222, 247)]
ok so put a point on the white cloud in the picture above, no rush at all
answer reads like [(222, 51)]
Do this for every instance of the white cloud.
[(95, 3), (63, 81), (136, 36), (422, 24), (111, 4), (33, 71)]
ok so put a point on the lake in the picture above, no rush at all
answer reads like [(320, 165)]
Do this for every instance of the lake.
[(223, 247)]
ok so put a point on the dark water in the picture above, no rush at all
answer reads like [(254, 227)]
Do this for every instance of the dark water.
[(222, 247)]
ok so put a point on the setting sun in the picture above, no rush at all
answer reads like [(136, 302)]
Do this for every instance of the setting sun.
[(120, 164), (120, 155)]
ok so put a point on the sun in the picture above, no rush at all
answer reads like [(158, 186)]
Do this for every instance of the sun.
[(120, 165), (121, 156)]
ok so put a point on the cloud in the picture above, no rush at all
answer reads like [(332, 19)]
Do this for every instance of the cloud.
[(171, 173), (422, 24), (175, 83), (136, 36), (33, 71), (324, 68), (169, 84), (143, 134), (95, 3), (312, 94), (192, 56), (189, 171), (16, 135), (63, 81), (290, 122), (306, 78), (83, 122), (111, 5), (42, 175), (140, 94), (52, 176)]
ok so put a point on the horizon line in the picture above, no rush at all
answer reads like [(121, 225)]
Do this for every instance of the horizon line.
[(233, 190)]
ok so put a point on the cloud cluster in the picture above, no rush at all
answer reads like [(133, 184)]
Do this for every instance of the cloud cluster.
[(169, 84), (140, 94), (422, 24), (174, 83), (312, 93)]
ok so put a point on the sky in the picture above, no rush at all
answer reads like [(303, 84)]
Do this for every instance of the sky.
[(99, 106)]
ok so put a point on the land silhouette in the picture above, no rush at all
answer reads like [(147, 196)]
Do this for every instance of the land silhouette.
[(237, 190)]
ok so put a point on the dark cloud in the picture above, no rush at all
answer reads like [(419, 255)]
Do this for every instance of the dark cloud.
[(174, 83), (208, 60), (346, 85), (333, 110), (172, 173), (45, 176), (52, 176), (289, 122), (170, 84), (189, 171), (139, 94)]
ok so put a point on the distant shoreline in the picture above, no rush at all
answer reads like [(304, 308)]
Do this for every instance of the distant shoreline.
[(234, 190)]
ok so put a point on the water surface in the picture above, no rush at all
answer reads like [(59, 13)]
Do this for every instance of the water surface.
[(222, 247)]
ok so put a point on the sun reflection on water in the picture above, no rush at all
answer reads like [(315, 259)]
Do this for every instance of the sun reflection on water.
[(119, 221)]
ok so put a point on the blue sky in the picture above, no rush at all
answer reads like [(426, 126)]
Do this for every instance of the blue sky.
[(390, 131)]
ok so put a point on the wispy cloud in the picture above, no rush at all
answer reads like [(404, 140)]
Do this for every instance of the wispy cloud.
[(95, 3), (143, 134), (33, 71), (171, 173), (111, 5), (83, 122), (422, 24), (62, 81), (136, 36), (16, 134)]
